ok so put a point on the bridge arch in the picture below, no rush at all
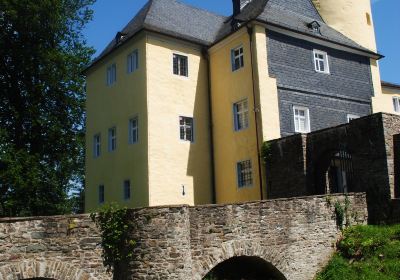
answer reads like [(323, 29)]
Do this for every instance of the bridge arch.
[(43, 269), (245, 251)]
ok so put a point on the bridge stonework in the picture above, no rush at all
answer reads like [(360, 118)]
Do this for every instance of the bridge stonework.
[(295, 235)]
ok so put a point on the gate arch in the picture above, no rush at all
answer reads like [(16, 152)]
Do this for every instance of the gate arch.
[(242, 249), (42, 269)]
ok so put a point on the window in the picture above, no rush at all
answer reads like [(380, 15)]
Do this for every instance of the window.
[(133, 61), (321, 62), (112, 139), (237, 58), (101, 194), (111, 74), (180, 65), (186, 128), (244, 173), (396, 104), (96, 145), (301, 119), (133, 131), (351, 117), (127, 190), (241, 115)]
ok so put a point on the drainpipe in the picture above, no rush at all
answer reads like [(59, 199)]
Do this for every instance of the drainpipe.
[(256, 110), (213, 184)]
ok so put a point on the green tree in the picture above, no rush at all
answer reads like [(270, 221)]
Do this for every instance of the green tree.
[(42, 56)]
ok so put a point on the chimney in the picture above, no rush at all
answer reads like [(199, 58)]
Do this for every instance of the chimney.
[(236, 7)]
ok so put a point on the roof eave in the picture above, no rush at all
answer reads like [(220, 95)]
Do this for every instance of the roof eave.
[(370, 54), (143, 29)]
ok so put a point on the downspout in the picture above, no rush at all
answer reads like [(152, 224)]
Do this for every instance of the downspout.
[(207, 57), (256, 110)]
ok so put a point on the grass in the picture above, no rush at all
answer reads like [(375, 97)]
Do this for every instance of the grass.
[(366, 253)]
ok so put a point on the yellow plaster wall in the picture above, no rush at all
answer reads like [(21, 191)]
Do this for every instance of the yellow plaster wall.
[(386, 104), (114, 106), (232, 146), (350, 18), (266, 94), (266, 88), (174, 163)]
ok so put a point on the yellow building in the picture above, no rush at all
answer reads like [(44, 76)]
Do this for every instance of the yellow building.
[(180, 102)]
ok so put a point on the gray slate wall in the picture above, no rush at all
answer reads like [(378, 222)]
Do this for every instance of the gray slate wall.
[(330, 97)]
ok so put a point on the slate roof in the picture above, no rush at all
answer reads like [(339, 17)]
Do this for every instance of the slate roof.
[(172, 18), (176, 19), (297, 14)]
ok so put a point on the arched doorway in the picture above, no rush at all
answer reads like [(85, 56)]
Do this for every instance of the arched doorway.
[(244, 268)]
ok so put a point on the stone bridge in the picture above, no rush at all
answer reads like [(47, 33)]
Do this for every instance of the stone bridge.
[(293, 238)]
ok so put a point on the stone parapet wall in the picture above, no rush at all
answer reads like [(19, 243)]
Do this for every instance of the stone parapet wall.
[(370, 142), (295, 235), (59, 247)]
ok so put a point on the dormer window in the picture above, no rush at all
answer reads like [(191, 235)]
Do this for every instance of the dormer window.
[(119, 37), (314, 26)]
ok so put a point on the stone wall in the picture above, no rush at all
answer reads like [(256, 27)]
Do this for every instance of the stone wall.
[(61, 247), (370, 142), (296, 236)]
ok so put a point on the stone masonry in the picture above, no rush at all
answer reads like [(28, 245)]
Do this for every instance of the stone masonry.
[(296, 236), (299, 164)]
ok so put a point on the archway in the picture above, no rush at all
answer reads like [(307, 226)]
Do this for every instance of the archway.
[(43, 270), (244, 268)]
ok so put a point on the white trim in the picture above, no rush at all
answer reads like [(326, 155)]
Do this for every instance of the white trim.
[(133, 56), (307, 119), (111, 138), (237, 175), (179, 55), (325, 61), (351, 117), (233, 58), (95, 144), (111, 74), (396, 104), (130, 142), (192, 129), (235, 113)]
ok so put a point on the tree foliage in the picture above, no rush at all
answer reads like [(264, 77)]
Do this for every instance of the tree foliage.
[(115, 227), (42, 54)]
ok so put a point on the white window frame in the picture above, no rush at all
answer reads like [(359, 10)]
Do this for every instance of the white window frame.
[(185, 126), (133, 130), (241, 117), (101, 194), (324, 60), (296, 119), (111, 74), (178, 71), (351, 117), (112, 139), (97, 145), (237, 60), (396, 104), (127, 192), (239, 171), (132, 62)]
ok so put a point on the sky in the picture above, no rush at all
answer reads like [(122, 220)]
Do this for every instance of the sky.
[(111, 16)]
